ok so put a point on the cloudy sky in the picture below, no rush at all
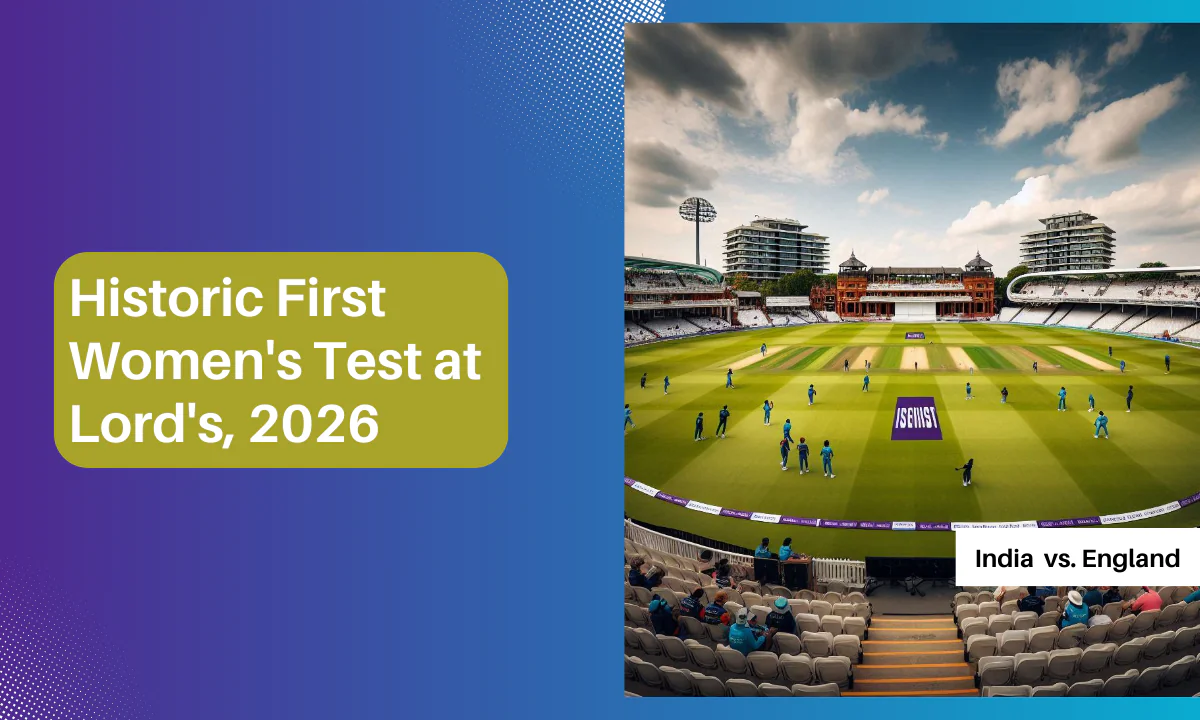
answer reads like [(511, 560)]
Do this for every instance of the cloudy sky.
[(914, 144)]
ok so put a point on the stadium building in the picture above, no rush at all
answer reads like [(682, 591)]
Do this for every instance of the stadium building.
[(769, 248), (1074, 241), (915, 294), (668, 299)]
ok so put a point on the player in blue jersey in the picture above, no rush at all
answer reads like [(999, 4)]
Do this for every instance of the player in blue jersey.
[(628, 417), (666, 383), (966, 471), (1167, 360), (699, 427), (729, 378), (1035, 367), (969, 392), (763, 349), (1129, 400), (1101, 424), (1122, 366), (827, 460), (785, 447), (1091, 402), (1004, 395), (866, 382), (722, 419), (1062, 399), (802, 454), (768, 406), (643, 381), (811, 394), (787, 429)]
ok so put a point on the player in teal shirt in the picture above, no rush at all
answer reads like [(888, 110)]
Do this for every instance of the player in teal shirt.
[(1129, 399), (1062, 399), (628, 416), (763, 349), (764, 550), (666, 383), (1091, 403), (729, 378), (802, 453), (827, 460), (722, 418), (767, 407), (969, 392), (785, 448), (785, 550), (700, 427), (866, 382), (811, 393), (1101, 424), (1122, 366), (787, 429)]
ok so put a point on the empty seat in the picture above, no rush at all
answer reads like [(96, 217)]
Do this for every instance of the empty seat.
[(817, 644), (643, 595), (989, 608), (1058, 689), (1191, 612), (787, 644), (1119, 685), (1085, 688), (807, 622), (855, 626), (1178, 671), (672, 647), (996, 670), (796, 669), (763, 665), (1063, 663), (1024, 620), (773, 690), (1148, 680), (648, 641), (647, 673), (980, 646), (1012, 641), (1096, 657), (973, 626), (1042, 639), (1048, 619), (1185, 638), (984, 596), (738, 687), (1113, 610), (799, 606), (639, 616), (962, 612), (1170, 615), (821, 608), (856, 598), (998, 624), (1008, 607), (1129, 652), (823, 690), (1029, 668), (692, 627), (1158, 645), (1007, 691), (848, 646), (751, 598), (832, 624), (1120, 629), (701, 655), (631, 638), (844, 609), (1095, 634), (677, 681), (1144, 622), (1053, 604), (833, 596), (731, 660), (961, 598), (707, 685), (1070, 636), (837, 670)]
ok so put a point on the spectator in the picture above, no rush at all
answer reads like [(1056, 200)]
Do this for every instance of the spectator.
[(654, 577), (1111, 595), (664, 618), (693, 605), (1075, 611), (1148, 600), (785, 550), (706, 561), (1193, 597), (714, 612), (721, 575), (780, 618), (1099, 619), (745, 636), (1044, 591), (1032, 602), (763, 551), (636, 578), (1093, 596)]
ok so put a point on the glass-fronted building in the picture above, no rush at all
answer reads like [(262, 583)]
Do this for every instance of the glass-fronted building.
[(1073, 241), (769, 248)]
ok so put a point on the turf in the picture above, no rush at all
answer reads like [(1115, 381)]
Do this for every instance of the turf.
[(1031, 462)]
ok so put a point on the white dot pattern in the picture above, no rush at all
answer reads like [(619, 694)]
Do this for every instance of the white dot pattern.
[(54, 660), (556, 69)]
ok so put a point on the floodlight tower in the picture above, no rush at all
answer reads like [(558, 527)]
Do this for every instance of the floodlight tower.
[(697, 210)]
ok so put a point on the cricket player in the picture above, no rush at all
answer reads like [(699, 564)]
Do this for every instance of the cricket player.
[(1110, 350), (666, 383), (866, 382), (787, 429), (729, 378), (1101, 424), (966, 471), (1122, 366), (1062, 399), (846, 365), (811, 394), (768, 406), (699, 427), (1129, 400), (802, 454), (969, 392), (1091, 402), (785, 447), (1035, 367), (763, 349), (827, 460), (722, 419), (643, 381), (1004, 395), (628, 417), (1167, 360)]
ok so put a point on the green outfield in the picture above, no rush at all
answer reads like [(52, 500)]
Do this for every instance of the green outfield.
[(1031, 461)]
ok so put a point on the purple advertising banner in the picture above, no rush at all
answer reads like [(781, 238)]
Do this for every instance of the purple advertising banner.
[(916, 418), (845, 524), (1069, 522), (914, 336), (672, 498), (933, 526), (869, 525), (742, 514), (1189, 500), (789, 520)]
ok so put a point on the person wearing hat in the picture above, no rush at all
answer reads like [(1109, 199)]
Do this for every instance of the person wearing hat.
[(780, 618), (1148, 600), (663, 617), (1093, 596), (763, 551), (1075, 612), (745, 636)]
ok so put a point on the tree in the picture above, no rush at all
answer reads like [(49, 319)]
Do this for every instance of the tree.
[(797, 284), (1002, 284)]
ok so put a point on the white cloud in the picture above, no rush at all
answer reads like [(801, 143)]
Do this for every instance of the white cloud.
[(1107, 138), (821, 128), (1130, 37), (872, 197), (1038, 95)]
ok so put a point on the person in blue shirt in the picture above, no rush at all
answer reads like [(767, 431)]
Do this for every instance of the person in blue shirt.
[(1122, 366), (692, 605), (812, 393), (1167, 360), (969, 392), (1129, 399), (699, 427), (785, 448), (966, 470), (1004, 395), (729, 378), (746, 637), (763, 551), (1062, 399), (666, 383), (628, 416), (802, 454), (866, 382), (1091, 403), (664, 619), (827, 460), (722, 419), (1075, 612), (1033, 602), (787, 429), (785, 550), (637, 579), (763, 349), (643, 381), (714, 612), (1110, 350), (768, 406), (1193, 597), (1101, 424), (1093, 596), (780, 618)]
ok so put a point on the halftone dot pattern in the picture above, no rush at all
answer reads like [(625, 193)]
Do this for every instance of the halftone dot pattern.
[(54, 661), (560, 85)]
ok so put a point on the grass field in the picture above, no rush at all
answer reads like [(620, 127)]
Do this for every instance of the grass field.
[(1031, 461)]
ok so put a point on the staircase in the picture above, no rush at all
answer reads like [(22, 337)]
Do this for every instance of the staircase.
[(913, 655)]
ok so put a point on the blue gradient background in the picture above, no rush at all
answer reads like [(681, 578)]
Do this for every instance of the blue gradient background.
[(278, 126)]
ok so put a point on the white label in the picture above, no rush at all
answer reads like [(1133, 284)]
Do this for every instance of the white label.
[(1077, 556), (704, 507), (764, 517), (643, 488)]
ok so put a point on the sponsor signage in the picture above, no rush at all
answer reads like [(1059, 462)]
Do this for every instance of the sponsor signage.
[(916, 418), (914, 336)]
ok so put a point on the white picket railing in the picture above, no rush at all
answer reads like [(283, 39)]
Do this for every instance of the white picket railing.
[(824, 570)]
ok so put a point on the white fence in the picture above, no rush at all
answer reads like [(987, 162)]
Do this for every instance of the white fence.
[(824, 570)]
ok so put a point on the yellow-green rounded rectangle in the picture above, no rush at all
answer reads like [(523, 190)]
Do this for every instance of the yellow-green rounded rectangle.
[(174, 364)]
